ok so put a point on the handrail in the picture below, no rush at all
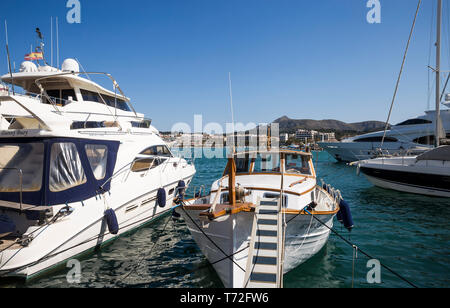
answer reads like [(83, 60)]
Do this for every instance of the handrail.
[(20, 173), (116, 85)]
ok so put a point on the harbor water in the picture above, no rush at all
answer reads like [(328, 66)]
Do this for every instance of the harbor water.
[(408, 233)]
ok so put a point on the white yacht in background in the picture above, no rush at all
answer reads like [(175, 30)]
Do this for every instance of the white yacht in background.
[(428, 173), (414, 136), (78, 167)]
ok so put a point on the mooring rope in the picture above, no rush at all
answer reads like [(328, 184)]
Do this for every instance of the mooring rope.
[(204, 233), (360, 250), (146, 254), (44, 258)]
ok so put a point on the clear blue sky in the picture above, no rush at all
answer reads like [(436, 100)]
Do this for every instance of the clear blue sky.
[(304, 59)]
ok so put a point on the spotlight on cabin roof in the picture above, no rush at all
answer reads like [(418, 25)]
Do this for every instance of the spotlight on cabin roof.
[(70, 65), (28, 67)]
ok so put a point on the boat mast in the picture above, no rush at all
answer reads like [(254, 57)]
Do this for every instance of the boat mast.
[(438, 71)]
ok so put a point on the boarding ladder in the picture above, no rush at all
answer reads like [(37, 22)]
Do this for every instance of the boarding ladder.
[(264, 263)]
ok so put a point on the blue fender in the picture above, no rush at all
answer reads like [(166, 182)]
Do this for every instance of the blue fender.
[(111, 221), (161, 197), (346, 215)]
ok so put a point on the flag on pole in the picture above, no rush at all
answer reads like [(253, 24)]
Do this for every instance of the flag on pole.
[(34, 56)]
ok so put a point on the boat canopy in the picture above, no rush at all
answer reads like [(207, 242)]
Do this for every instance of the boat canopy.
[(441, 153), (50, 171)]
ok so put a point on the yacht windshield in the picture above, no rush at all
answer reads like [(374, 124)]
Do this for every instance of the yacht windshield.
[(21, 158), (267, 163), (298, 164)]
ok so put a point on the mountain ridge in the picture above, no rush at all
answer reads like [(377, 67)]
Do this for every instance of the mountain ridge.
[(288, 125)]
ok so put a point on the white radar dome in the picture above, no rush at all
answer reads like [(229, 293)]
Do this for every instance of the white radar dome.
[(47, 68), (28, 67), (70, 65)]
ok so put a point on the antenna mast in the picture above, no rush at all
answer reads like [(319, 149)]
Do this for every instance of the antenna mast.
[(51, 41), (438, 72), (9, 58)]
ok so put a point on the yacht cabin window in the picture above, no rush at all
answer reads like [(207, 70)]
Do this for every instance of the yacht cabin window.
[(61, 97), (109, 100), (157, 155), (158, 150), (144, 164), (66, 170), (298, 164), (25, 157), (267, 163)]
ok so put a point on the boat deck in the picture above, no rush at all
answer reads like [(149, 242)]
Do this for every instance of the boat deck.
[(9, 243)]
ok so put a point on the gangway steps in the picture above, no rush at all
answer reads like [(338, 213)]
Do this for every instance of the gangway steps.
[(263, 264)]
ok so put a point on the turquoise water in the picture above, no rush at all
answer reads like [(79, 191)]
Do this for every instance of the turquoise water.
[(408, 233)]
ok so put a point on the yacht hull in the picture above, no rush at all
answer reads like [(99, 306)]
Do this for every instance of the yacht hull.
[(355, 151), (398, 181), (72, 236), (305, 236)]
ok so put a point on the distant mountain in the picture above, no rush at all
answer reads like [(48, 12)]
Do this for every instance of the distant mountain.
[(288, 125)]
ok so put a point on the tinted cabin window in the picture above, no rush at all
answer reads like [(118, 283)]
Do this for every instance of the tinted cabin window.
[(66, 94), (426, 140), (415, 122), (109, 100), (377, 139), (144, 164), (61, 97), (159, 150), (242, 165)]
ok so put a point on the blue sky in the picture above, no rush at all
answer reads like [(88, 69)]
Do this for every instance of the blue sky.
[(304, 59)]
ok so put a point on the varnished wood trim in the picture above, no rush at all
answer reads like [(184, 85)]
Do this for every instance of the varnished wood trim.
[(276, 190)]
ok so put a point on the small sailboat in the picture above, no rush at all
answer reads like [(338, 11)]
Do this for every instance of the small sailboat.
[(259, 220), (427, 173)]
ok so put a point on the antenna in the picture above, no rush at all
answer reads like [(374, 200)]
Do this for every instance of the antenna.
[(41, 45), (231, 105), (57, 44), (51, 41), (9, 58)]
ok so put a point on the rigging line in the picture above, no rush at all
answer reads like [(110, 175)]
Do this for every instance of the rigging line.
[(44, 258), (401, 71), (98, 92), (44, 226), (445, 86), (146, 254), (433, 11), (206, 235), (360, 250)]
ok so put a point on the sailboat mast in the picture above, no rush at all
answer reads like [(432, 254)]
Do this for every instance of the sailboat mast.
[(438, 72)]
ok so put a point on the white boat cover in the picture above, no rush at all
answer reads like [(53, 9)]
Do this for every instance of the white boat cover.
[(441, 153)]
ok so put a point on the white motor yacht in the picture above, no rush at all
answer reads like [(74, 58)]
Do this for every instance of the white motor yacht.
[(426, 174), (78, 168), (413, 136)]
